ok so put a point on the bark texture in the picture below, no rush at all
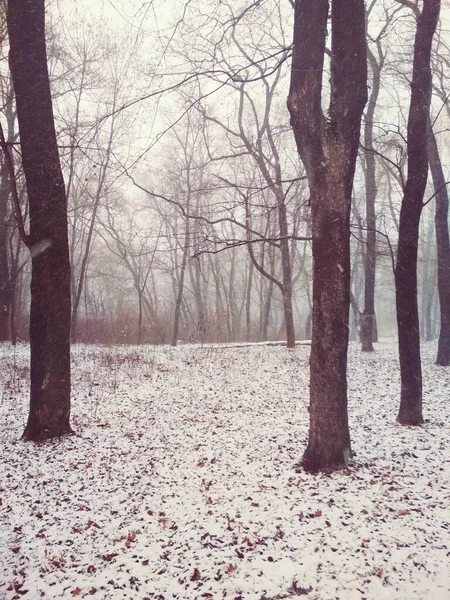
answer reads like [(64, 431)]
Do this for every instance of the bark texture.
[(48, 241), (328, 148), (410, 412)]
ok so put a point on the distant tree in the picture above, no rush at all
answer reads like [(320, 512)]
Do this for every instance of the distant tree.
[(443, 247), (328, 146), (410, 412), (376, 58), (47, 241), (5, 266)]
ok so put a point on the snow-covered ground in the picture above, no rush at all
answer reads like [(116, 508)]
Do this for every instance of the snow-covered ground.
[(181, 482)]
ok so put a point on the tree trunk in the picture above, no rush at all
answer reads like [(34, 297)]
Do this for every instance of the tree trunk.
[(367, 318), (180, 287), (5, 277), (410, 412), (328, 148), (6, 259), (48, 240), (443, 247), (248, 304)]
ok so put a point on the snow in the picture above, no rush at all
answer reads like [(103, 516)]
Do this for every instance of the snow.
[(182, 482)]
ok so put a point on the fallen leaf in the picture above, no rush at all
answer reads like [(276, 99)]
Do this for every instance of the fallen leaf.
[(196, 576)]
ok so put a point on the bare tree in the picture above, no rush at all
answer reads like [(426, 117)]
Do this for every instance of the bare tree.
[(328, 148), (410, 412), (47, 241), (376, 57), (443, 247)]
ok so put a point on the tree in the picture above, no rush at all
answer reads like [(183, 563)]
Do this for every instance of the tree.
[(443, 247), (376, 62), (328, 148), (410, 412), (47, 241), (6, 284)]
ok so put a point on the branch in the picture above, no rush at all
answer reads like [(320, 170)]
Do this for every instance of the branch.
[(12, 178), (436, 193), (188, 215)]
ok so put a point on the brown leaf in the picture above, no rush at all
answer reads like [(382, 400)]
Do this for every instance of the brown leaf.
[(109, 557), (76, 591), (230, 568), (300, 591), (196, 576), (130, 538)]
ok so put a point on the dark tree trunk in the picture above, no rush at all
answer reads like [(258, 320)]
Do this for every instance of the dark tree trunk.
[(410, 412), (328, 148), (443, 248), (48, 241)]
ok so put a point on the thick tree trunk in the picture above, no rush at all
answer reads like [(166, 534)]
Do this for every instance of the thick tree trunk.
[(48, 241), (410, 412), (408, 317), (443, 248), (329, 437), (328, 148)]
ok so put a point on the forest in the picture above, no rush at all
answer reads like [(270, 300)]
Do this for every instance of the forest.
[(224, 299)]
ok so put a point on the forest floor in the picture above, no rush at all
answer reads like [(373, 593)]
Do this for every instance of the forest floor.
[(181, 481)]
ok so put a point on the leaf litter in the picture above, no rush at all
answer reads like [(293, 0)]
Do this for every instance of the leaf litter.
[(181, 482)]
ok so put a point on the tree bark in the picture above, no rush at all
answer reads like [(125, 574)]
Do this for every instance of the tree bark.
[(49, 414), (410, 412), (328, 148), (443, 247)]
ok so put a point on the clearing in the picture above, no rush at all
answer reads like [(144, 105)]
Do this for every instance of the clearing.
[(181, 482)]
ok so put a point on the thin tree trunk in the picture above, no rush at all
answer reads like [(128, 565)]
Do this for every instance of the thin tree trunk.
[(410, 412), (367, 318), (48, 240), (248, 304), (180, 289), (443, 247), (5, 276), (6, 284)]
